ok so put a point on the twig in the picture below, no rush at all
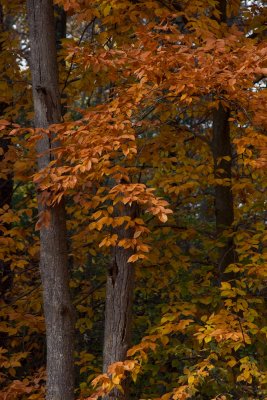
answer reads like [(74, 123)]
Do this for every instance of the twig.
[(20, 297), (80, 300), (73, 56)]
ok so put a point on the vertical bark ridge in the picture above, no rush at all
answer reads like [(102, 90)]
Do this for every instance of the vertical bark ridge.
[(224, 202), (53, 240), (119, 300), (224, 208)]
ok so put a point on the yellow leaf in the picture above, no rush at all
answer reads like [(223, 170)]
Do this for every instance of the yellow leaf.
[(106, 10), (225, 285), (191, 379), (164, 340), (116, 379), (232, 362)]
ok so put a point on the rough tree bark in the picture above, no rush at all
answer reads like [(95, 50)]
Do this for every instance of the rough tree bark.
[(119, 300), (53, 252), (224, 209), (221, 146)]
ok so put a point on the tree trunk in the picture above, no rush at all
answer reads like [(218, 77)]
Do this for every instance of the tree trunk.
[(53, 252), (61, 32), (224, 209), (119, 300), (6, 192), (6, 189), (60, 25), (224, 204)]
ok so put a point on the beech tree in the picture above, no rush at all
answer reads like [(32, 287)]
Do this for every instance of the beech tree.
[(223, 159), (149, 195), (119, 299), (53, 241)]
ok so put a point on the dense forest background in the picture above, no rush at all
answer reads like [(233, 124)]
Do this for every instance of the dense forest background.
[(133, 199)]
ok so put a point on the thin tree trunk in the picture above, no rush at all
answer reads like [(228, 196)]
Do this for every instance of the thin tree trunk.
[(60, 26), (119, 300), (53, 252), (61, 32), (6, 190), (224, 209), (224, 204)]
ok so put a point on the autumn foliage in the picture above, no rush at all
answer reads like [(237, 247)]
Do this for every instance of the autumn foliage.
[(134, 159)]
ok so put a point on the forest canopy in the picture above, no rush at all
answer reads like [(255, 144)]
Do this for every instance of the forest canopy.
[(133, 156)]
